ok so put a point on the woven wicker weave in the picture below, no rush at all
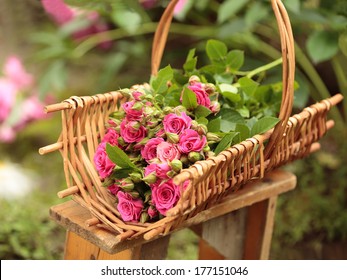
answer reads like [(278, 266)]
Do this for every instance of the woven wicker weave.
[(83, 125)]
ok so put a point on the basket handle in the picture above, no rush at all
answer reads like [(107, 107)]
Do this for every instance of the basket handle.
[(288, 66)]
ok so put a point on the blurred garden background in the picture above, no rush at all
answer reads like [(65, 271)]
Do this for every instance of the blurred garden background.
[(53, 49)]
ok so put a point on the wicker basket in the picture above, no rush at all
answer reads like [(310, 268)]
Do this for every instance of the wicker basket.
[(83, 125)]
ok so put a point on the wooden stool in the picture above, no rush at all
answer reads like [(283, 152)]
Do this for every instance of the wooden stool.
[(240, 227)]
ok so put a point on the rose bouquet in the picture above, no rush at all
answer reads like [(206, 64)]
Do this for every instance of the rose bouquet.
[(180, 117)]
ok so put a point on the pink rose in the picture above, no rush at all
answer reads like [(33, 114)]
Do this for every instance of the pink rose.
[(201, 94), (129, 208), (151, 168), (152, 212), (176, 123), (111, 137), (137, 95), (149, 151), (131, 113), (165, 196), (167, 152), (160, 133), (160, 170), (132, 131), (102, 162), (114, 189), (191, 141)]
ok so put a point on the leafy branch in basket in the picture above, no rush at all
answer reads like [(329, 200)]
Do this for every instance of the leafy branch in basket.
[(180, 117)]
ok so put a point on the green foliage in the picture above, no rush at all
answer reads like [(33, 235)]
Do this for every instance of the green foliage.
[(27, 232)]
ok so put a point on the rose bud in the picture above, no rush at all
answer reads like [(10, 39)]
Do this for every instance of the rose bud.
[(136, 177), (167, 110), (144, 217), (202, 129), (171, 173), (137, 106), (184, 159), (148, 196), (194, 156), (127, 185), (121, 141), (179, 109), (206, 149), (172, 137), (134, 194), (152, 212), (150, 178), (108, 182), (210, 88), (194, 79), (125, 92), (215, 107), (176, 165), (212, 137)]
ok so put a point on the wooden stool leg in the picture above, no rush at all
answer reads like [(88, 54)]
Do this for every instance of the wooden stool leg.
[(223, 237), (78, 248), (259, 229)]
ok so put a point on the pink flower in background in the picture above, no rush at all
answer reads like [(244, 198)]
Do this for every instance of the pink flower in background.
[(17, 82), (201, 94), (148, 4), (149, 151), (176, 123), (7, 98), (15, 72), (165, 196), (179, 6), (191, 141), (63, 14), (129, 208), (7, 134), (167, 152), (102, 162)]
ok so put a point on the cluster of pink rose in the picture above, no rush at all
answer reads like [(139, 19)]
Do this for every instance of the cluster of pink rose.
[(19, 101), (161, 141)]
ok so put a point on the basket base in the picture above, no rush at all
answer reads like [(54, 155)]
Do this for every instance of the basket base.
[(258, 198)]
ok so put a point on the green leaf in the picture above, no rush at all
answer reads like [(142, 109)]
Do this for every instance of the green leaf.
[(216, 50), (202, 120), (322, 45), (243, 130), (127, 19), (214, 125), (225, 142), (257, 12), (121, 173), (293, 5), (248, 85), (190, 63), (229, 119), (343, 43), (119, 157), (263, 125), (230, 92), (229, 8), (201, 112), (235, 59), (159, 83), (189, 99), (224, 78)]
